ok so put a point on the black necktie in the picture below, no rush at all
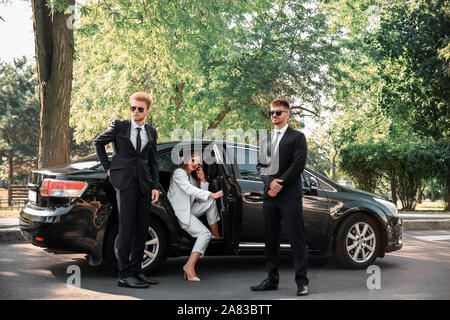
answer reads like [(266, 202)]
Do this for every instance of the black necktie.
[(138, 140)]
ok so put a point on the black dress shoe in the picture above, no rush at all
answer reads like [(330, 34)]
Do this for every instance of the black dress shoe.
[(131, 282), (146, 279), (303, 291), (265, 285)]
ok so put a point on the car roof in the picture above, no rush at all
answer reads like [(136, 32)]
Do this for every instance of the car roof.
[(170, 144)]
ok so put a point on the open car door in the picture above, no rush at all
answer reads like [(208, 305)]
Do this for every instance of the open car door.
[(228, 205)]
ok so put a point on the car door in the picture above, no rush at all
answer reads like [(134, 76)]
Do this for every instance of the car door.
[(251, 192), (316, 211), (229, 204), (315, 203)]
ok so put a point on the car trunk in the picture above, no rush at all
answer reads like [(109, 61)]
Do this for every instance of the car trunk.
[(64, 172)]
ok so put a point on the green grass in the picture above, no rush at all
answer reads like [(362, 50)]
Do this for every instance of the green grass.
[(426, 207), (9, 212)]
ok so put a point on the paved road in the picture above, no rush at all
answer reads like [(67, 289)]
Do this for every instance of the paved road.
[(421, 270)]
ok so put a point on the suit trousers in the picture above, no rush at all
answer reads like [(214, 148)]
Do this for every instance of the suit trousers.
[(290, 211), (134, 221), (197, 229)]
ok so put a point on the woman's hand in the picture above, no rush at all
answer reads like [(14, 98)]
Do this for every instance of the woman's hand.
[(216, 195), (200, 174)]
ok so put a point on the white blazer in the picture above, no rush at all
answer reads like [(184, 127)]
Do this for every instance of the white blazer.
[(182, 193)]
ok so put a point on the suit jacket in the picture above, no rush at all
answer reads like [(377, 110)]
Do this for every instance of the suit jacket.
[(286, 164), (182, 193), (126, 162)]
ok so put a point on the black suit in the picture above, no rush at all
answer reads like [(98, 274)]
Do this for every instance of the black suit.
[(133, 174), (126, 162), (286, 206)]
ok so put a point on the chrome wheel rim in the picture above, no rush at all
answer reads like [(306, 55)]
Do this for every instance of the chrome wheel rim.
[(361, 242), (151, 248)]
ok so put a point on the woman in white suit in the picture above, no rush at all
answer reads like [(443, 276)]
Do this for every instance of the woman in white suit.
[(184, 189)]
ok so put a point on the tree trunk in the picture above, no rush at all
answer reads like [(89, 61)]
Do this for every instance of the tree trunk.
[(178, 99), (333, 167), (419, 196), (10, 179), (54, 60), (433, 196), (220, 116), (394, 190), (447, 194)]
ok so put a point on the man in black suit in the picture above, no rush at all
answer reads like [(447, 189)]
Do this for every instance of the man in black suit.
[(134, 174), (282, 158)]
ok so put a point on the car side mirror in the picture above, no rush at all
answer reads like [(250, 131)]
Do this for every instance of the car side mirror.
[(313, 183)]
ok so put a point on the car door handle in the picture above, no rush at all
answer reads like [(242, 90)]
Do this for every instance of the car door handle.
[(253, 196)]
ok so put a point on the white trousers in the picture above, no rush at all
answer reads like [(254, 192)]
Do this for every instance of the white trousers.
[(196, 228)]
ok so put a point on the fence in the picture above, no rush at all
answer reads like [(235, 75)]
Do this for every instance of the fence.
[(19, 196)]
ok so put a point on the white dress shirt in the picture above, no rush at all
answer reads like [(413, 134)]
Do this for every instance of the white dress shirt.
[(134, 132)]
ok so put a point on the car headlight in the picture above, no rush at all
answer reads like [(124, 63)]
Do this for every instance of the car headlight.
[(391, 206)]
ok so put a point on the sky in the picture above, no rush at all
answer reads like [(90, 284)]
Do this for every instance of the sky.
[(16, 32)]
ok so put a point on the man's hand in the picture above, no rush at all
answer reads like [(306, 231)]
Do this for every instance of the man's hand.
[(274, 185), (107, 172), (272, 193), (155, 195)]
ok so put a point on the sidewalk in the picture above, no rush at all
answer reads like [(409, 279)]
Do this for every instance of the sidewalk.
[(10, 230)]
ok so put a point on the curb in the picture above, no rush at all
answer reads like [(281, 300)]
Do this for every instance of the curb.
[(11, 235), (422, 224)]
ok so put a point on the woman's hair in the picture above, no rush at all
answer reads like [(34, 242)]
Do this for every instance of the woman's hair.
[(184, 164)]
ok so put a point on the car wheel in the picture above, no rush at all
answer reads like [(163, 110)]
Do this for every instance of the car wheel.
[(357, 242), (155, 249)]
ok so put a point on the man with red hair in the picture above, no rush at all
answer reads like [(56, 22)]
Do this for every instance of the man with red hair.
[(282, 158), (134, 174)]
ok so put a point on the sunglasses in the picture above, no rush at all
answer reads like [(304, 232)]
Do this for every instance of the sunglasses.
[(195, 162), (140, 109), (277, 112)]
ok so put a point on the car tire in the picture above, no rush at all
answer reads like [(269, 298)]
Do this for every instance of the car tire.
[(357, 242), (157, 240)]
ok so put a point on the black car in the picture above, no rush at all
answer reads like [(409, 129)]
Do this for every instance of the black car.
[(72, 209)]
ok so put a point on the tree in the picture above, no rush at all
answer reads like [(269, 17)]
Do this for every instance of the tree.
[(218, 62), (19, 118), (410, 46), (54, 60)]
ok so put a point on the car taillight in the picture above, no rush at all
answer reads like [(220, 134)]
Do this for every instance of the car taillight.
[(62, 188)]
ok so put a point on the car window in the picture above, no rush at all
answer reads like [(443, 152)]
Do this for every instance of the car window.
[(165, 162), (306, 182), (246, 160), (305, 179), (324, 186)]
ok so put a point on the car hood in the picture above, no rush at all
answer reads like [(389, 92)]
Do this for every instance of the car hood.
[(368, 194)]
